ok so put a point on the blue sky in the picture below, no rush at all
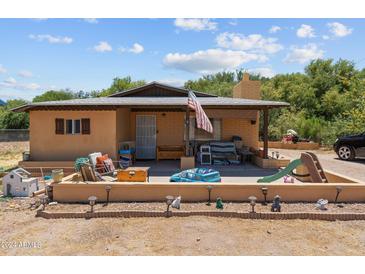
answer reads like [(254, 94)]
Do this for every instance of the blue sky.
[(86, 54)]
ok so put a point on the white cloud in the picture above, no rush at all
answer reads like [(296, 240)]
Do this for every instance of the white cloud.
[(305, 31), (195, 24), (303, 54), (103, 46), (2, 69), (39, 19), (233, 22), (12, 83), (211, 60), (265, 72), (325, 37), (91, 20), (51, 39), (274, 29), (137, 48), (25, 73), (173, 82), (339, 30), (253, 42)]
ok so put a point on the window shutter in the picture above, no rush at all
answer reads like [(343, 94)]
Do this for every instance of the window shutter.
[(85, 125), (60, 126)]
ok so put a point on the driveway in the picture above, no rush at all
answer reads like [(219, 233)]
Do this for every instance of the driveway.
[(330, 161)]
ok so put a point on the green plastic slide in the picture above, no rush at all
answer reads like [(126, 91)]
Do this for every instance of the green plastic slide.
[(292, 165)]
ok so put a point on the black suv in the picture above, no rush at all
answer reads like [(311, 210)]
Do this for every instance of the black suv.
[(349, 147)]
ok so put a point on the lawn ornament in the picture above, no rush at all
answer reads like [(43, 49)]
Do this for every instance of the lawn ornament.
[(321, 204), (176, 203), (219, 203), (276, 207)]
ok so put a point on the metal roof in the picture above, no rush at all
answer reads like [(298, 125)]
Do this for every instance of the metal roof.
[(160, 85), (217, 102)]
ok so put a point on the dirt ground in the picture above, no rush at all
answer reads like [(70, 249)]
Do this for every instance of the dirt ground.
[(24, 234), (330, 161), (177, 236), (11, 153)]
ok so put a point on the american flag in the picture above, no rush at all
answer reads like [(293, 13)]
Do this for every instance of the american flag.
[(202, 120)]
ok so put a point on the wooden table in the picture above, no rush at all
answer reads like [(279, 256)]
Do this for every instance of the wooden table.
[(133, 174)]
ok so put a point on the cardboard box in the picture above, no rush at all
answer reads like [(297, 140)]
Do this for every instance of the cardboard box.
[(187, 162)]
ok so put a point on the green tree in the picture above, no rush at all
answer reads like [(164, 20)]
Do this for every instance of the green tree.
[(54, 95), (118, 85), (13, 120)]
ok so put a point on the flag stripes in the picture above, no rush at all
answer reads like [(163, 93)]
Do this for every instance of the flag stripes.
[(202, 120)]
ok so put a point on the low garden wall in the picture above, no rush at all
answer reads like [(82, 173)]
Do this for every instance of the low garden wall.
[(299, 145), (224, 214), (270, 162), (193, 192)]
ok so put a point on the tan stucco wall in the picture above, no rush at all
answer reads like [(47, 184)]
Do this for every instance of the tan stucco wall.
[(123, 125), (46, 145), (243, 128), (170, 127)]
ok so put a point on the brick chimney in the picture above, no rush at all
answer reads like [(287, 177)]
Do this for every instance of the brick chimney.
[(247, 89)]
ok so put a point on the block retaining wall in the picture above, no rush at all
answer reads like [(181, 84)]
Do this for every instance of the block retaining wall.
[(224, 214)]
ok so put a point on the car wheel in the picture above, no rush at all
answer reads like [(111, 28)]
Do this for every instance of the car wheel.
[(346, 153)]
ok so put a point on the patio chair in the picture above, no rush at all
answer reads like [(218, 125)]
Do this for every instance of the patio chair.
[(89, 175), (102, 168)]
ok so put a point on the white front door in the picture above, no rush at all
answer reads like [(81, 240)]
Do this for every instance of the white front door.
[(145, 136)]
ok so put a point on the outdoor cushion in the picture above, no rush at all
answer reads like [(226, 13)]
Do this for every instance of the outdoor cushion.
[(100, 167), (92, 157), (223, 150)]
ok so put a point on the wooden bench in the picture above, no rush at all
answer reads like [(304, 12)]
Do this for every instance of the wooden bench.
[(167, 152)]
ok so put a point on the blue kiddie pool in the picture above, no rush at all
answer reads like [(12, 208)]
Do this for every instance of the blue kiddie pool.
[(197, 175)]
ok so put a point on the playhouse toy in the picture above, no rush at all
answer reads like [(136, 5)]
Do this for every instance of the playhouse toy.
[(18, 183)]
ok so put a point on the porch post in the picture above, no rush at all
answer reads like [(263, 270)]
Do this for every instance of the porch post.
[(187, 132), (266, 133)]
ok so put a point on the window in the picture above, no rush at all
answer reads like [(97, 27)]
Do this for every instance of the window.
[(76, 126), (60, 126), (201, 135), (73, 126), (85, 125)]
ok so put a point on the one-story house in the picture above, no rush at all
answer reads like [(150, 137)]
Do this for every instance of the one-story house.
[(151, 115)]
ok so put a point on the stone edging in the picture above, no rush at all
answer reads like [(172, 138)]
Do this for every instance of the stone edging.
[(243, 215)]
